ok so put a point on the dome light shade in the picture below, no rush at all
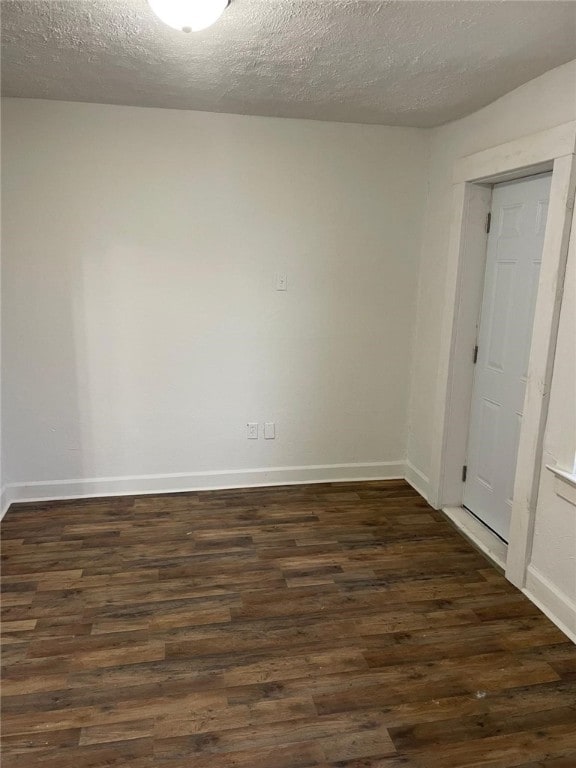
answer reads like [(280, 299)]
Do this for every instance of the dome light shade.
[(188, 15)]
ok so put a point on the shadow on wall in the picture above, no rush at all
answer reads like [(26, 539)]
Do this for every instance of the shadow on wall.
[(41, 381)]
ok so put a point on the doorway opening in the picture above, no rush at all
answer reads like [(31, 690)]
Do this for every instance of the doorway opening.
[(515, 242)]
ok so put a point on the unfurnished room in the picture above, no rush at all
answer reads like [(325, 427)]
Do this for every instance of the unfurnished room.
[(288, 384)]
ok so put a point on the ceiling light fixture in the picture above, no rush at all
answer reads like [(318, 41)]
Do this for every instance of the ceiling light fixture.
[(189, 15)]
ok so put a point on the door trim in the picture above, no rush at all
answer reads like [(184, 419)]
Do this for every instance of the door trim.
[(474, 176)]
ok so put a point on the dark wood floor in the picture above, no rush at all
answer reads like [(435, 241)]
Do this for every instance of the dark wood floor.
[(337, 625)]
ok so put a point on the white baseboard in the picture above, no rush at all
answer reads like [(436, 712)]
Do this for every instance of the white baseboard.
[(555, 604), (203, 481), (481, 536), (5, 500), (417, 479)]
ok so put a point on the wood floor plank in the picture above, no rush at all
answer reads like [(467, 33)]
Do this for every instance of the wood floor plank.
[(326, 626)]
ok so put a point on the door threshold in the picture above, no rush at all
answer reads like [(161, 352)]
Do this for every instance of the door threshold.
[(479, 535), (467, 509)]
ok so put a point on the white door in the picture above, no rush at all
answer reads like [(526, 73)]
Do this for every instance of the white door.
[(514, 252)]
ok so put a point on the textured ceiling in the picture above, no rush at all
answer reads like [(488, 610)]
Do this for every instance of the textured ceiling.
[(396, 63)]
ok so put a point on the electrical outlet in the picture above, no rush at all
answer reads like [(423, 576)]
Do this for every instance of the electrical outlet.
[(281, 282), (252, 430), (269, 430)]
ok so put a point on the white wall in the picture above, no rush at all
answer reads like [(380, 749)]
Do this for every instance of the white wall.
[(552, 570), (548, 101), (142, 327), (3, 494)]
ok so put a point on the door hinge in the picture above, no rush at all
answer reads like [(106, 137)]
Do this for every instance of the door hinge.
[(475, 356), (464, 473), (488, 222)]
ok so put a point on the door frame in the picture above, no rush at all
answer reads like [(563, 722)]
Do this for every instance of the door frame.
[(473, 179)]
